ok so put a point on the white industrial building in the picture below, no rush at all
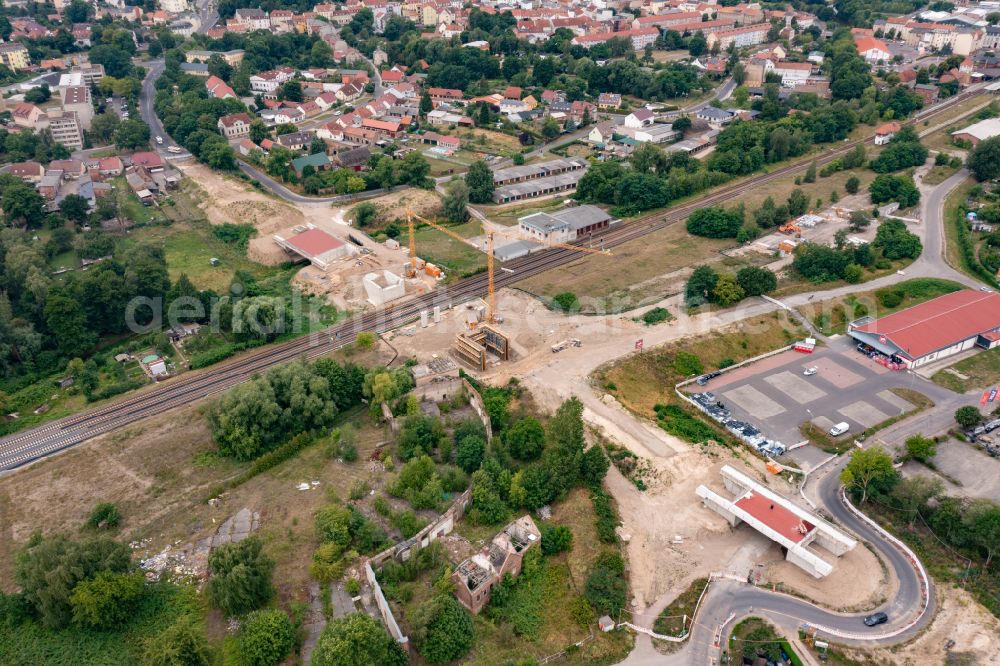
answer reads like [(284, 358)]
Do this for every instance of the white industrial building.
[(384, 287)]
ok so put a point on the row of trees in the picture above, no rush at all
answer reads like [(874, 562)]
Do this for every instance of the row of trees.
[(706, 285), (718, 222), (257, 416), (655, 179)]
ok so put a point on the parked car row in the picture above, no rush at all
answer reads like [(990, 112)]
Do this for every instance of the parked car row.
[(983, 436), (745, 431), (704, 379)]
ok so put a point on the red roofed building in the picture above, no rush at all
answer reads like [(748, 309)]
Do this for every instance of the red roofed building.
[(150, 161), (219, 89), (871, 49), (936, 329), (884, 133), (316, 245)]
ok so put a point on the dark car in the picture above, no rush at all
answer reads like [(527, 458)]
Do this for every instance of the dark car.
[(876, 619)]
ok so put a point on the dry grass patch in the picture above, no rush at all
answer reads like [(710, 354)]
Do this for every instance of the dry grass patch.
[(641, 381)]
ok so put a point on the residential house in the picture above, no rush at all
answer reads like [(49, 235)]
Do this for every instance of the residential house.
[(442, 117), (30, 172), (384, 128), (928, 93), (793, 73), (609, 100), (253, 19), (295, 140), (49, 184), (318, 161), (219, 89), (269, 82), (884, 133), (246, 146), (149, 161), (602, 133), (444, 95), (355, 159), (713, 116), (639, 118), (71, 168), (235, 125), (29, 116), (873, 50)]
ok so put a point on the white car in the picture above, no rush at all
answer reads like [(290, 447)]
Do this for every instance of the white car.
[(173, 149), (159, 140), (809, 372), (839, 429)]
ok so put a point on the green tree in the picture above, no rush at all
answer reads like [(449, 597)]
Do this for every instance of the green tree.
[(982, 523), (913, 494), (426, 104), (470, 452), (456, 202), (869, 470), (132, 134), (810, 176), (550, 129), (556, 539), (756, 281), (525, 439), (291, 91), (715, 222), (606, 588), (594, 466), (21, 204), (239, 576), (442, 629), (104, 126), (852, 185), (921, 448), (727, 292), (968, 417), (357, 640), (700, 287), (266, 638), (181, 644), (67, 322), (48, 570), (480, 181), (258, 130), (798, 202), (106, 601), (75, 208), (984, 161)]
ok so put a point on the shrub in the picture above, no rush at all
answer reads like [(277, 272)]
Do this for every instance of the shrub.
[(104, 516), (442, 629), (655, 316), (687, 364), (606, 587), (266, 638), (240, 578), (566, 301), (556, 539), (607, 518)]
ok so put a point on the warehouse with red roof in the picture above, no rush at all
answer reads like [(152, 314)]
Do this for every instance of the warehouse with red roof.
[(939, 328)]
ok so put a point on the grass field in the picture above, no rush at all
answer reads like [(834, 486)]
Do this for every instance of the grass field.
[(129, 205), (832, 315), (455, 257), (939, 174), (640, 381), (980, 371), (675, 619), (508, 215), (628, 278), (488, 141)]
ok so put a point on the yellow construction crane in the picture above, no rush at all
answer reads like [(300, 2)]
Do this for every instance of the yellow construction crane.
[(491, 292)]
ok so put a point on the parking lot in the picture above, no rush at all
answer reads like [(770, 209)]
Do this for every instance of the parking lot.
[(775, 397)]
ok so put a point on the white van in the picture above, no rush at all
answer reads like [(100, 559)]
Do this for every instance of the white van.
[(839, 429)]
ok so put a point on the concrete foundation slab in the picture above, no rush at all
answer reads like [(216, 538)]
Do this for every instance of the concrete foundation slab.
[(795, 387), (863, 413), (754, 402), (891, 398), (836, 373)]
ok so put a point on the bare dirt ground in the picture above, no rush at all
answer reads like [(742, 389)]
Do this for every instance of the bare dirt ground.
[(959, 618)]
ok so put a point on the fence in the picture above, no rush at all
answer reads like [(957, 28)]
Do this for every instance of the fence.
[(694, 614)]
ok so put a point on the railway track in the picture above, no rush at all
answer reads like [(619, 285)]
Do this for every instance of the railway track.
[(22, 448)]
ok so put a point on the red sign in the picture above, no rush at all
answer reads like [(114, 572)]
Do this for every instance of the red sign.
[(638, 344)]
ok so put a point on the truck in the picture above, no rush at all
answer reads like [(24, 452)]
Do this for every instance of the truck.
[(564, 344)]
